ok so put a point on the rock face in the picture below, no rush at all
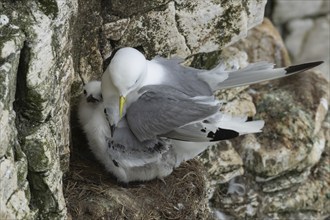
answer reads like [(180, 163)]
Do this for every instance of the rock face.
[(49, 46), (181, 28), (155, 28), (285, 167), (36, 76), (306, 25)]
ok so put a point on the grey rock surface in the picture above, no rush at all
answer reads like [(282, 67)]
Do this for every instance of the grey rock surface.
[(49, 45), (14, 192), (285, 166), (288, 10), (305, 26), (183, 28), (36, 76), (307, 40)]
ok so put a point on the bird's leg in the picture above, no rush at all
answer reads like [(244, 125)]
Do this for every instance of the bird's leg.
[(162, 179)]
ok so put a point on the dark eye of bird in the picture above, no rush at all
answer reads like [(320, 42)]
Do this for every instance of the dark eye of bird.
[(101, 96), (85, 92), (105, 111)]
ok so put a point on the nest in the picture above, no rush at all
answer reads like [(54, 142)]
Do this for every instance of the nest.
[(92, 193)]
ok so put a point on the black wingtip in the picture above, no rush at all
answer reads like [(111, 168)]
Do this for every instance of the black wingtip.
[(302, 67), (222, 134)]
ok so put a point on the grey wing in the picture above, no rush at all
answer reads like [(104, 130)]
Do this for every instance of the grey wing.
[(161, 108)]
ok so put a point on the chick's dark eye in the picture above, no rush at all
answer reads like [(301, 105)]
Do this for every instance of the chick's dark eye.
[(85, 92), (105, 111), (101, 96)]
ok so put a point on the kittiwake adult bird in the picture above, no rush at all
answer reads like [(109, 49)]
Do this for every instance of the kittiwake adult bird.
[(123, 155), (162, 98)]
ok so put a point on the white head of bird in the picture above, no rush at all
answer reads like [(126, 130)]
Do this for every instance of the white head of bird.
[(123, 75), (90, 101), (92, 92), (126, 69)]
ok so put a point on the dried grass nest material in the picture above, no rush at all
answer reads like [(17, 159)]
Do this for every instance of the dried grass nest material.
[(92, 193)]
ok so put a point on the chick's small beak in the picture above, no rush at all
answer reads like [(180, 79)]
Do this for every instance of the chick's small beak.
[(91, 99), (112, 129), (122, 101)]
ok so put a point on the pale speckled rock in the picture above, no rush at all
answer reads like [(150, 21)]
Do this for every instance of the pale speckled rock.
[(285, 142), (128, 8), (3, 20), (289, 143), (306, 29), (13, 165), (154, 31), (15, 192), (48, 193), (222, 163), (287, 10), (283, 182), (40, 150), (88, 48), (116, 30), (307, 40), (204, 29), (294, 110), (265, 43), (242, 104), (46, 98), (168, 30), (230, 57), (321, 114), (36, 78), (9, 178), (8, 81), (298, 30), (308, 197), (236, 204), (16, 206)]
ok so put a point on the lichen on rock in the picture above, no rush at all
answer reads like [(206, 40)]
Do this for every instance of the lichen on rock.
[(285, 159), (168, 29), (31, 87)]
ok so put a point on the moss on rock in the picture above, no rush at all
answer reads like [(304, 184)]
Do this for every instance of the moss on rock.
[(49, 7)]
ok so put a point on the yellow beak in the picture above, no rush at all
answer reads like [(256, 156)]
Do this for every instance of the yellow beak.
[(122, 101)]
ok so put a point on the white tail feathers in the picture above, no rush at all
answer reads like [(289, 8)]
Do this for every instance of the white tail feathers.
[(246, 127), (238, 124), (214, 76), (219, 127)]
